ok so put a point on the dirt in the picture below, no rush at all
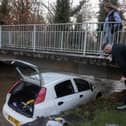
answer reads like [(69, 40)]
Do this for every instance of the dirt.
[(7, 77)]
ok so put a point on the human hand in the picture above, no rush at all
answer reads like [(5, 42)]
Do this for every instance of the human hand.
[(109, 58), (123, 78)]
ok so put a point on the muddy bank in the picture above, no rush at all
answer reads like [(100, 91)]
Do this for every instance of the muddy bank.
[(7, 77)]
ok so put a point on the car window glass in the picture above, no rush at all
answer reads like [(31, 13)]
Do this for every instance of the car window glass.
[(82, 85), (64, 88), (18, 87), (22, 86)]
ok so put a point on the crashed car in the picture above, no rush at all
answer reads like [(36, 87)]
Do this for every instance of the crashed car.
[(44, 94)]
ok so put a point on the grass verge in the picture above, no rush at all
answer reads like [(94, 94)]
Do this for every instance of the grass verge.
[(101, 112)]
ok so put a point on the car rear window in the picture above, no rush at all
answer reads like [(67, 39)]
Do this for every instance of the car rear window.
[(21, 86)]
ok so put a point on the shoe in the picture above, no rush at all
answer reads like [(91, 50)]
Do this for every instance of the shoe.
[(122, 107)]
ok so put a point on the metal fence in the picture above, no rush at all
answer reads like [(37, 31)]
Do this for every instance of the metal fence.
[(82, 38)]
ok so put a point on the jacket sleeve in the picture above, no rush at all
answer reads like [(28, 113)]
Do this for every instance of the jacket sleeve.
[(117, 17), (118, 20), (122, 62), (113, 60)]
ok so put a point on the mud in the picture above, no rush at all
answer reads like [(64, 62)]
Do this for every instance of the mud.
[(7, 77)]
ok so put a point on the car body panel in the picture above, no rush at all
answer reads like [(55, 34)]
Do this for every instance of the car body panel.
[(7, 111), (86, 95), (65, 102)]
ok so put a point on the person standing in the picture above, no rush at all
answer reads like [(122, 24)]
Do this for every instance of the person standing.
[(118, 52), (112, 24)]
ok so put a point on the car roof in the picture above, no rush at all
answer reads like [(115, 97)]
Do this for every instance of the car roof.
[(50, 77)]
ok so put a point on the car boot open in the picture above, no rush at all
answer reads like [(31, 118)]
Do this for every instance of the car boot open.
[(23, 98)]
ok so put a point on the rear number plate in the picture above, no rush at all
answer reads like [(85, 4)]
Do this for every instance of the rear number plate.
[(13, 120)]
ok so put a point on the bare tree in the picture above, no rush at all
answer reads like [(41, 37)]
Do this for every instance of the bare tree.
[(76, 9), (4, 11), (53, 11), (19, 12)]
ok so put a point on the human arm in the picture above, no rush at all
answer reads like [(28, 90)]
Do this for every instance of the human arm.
[(122, 61), (118, 21), (117, 17)]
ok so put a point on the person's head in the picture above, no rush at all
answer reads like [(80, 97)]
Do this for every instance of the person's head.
[(108, 7), (108, 49)]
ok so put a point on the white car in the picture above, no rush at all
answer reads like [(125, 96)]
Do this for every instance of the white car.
[(44, 94)]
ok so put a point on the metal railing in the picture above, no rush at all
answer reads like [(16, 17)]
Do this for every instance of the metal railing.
[(81, 39)]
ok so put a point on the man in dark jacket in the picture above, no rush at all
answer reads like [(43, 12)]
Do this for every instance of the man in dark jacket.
[(118, 52)]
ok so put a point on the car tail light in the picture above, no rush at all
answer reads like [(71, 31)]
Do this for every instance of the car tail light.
[(14, 85), (41, 96)]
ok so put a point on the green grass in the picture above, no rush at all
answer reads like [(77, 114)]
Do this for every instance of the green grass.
[(98, 113)]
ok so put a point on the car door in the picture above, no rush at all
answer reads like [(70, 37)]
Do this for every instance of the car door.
[(23, 68), (65, 96), (85, 93)]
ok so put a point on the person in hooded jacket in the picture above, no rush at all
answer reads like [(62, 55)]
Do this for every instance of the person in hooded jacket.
[(112, 24), (118, 52)]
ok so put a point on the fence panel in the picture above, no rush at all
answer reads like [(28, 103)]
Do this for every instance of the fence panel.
[(81, 38)]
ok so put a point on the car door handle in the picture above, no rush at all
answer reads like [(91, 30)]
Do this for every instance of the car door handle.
[(60, 103), (81, 96)]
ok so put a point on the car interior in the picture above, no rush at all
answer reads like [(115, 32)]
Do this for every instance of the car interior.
[(22, 98)]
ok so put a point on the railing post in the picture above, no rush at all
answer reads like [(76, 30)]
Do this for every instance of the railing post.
[(85, 43), (34, 38), (10, 39), (0, 36), (61, 47), (101, 42)]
